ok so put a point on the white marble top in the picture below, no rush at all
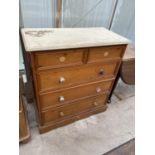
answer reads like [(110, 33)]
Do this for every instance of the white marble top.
[(40, 39)]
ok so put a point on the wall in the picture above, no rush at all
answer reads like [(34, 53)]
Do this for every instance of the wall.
[(82, 13), (38, 13), (124, 19)]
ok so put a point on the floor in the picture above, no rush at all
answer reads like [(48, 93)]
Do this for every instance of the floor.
[(95, 135), (126, 149)]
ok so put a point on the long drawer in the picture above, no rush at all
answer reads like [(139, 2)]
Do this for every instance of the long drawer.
[(73, 109), (66, 77), (62, 97)]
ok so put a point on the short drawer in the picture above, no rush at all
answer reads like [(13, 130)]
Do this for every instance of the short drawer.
[(58, 58), (103, 53), (70, 76), (62, 97), (73, 108)]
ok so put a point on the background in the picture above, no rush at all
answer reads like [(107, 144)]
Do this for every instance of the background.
[(115, 15)]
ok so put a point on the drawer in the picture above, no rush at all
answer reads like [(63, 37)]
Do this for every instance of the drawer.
[(103, 53), (61, 97), (73, 108), (58, 58), (70, 76)]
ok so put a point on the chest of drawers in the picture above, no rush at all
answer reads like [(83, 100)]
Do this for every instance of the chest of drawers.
[(73, 72)]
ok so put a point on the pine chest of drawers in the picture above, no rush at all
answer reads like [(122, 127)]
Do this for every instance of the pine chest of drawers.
[(73, 71)]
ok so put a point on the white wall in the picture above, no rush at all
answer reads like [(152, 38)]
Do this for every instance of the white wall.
[(84, 13), (38, 13), (124, 19)]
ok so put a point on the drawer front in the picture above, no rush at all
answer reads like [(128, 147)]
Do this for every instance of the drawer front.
[(73, 108), (65, 96), (59, 58), (103, 53), (66, 77)]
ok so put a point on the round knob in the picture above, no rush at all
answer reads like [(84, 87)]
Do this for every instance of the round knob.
[(106, 53), (101, 71), (62, 80), (61, 98), (61, 114), (98, 89), (62, 59), (95, 104)]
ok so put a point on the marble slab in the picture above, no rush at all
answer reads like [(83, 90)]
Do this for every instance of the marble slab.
[(41, 39)]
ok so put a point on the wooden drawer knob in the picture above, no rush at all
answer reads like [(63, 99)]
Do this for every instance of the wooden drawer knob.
[(98, 89), (101, 71), (106, 54), (62, 59), (61, 114), (95, 104), (62, 80), (61, 98)]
